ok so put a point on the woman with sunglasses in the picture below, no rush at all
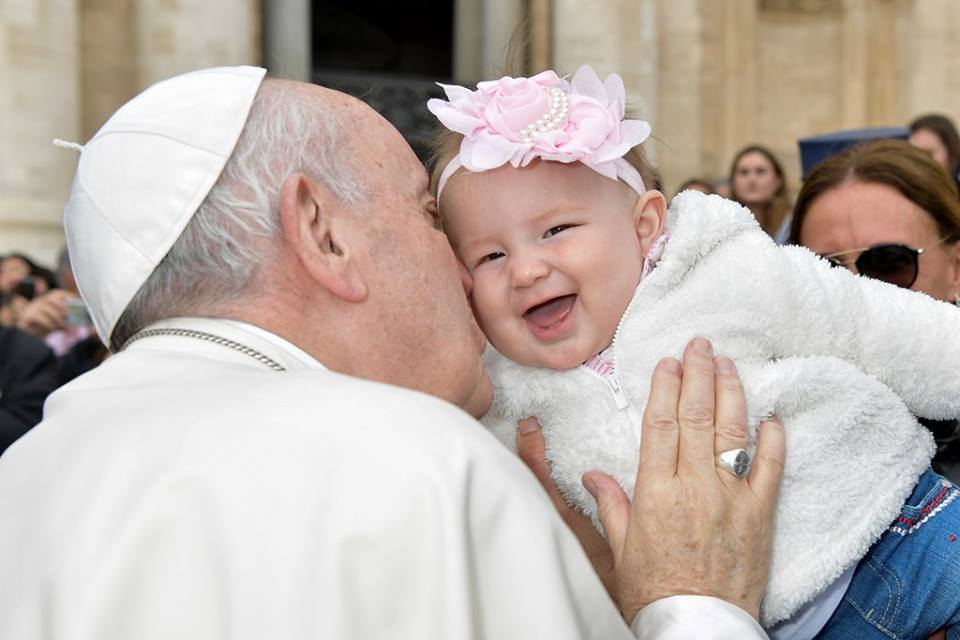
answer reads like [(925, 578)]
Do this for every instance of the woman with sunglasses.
[(888, 210)]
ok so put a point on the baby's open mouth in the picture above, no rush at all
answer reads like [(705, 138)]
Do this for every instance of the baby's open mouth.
[(552, 313)]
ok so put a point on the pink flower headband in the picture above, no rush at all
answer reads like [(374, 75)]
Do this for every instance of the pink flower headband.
[(518, 119)]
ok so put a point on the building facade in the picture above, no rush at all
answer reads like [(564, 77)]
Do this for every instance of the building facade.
[(66, 65), (710, 75)]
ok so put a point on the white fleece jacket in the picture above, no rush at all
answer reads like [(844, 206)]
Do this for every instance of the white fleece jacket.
[(844, 361)]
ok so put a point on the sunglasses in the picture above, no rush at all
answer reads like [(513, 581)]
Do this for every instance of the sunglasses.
[(894, 263)]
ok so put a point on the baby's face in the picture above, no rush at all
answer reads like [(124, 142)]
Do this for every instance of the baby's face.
[(554, 254)]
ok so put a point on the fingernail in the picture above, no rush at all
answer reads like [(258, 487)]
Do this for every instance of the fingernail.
[(589, 484), (670, 364), (725, 365), (528, 426), (702, 345)]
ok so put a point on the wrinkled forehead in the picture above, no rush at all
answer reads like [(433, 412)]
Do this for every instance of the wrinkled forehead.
[(860, 214)]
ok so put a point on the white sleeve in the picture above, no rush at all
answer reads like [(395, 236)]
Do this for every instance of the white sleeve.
[(701, 617), (905, 339), (529, 575)]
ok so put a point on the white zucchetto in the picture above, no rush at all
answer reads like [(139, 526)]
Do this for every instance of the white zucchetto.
[(143, 176)]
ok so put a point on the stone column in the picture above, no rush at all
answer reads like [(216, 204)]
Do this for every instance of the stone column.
[(39, 101), (739, 76), (869, 51), (931, 73), (683, 121), (708, 98), (855, 64), (174, 37), (483, 30), (287, 49), (541, 48), (882, 109), (109, 71), (614, 35)]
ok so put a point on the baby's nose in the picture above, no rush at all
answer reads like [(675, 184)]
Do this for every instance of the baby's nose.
[(528, 270)]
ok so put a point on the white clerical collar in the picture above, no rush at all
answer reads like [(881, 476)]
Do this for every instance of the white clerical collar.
[(291, 349)]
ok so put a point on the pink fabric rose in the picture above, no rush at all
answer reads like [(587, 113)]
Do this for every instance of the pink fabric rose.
[(518, 119), (512, 104)]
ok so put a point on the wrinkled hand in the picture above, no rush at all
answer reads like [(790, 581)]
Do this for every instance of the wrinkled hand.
[(45, 313), (693, 528), (532, 450)]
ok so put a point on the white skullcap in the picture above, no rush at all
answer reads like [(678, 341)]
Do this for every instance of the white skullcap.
[(143, 176)]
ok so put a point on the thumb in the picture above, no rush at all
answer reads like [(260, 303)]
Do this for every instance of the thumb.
[(613, 508), (532, 450)]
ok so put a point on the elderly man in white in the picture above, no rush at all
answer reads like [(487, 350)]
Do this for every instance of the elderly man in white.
[(276, 450)]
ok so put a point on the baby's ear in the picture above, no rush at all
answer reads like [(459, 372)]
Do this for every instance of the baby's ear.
[(649, 218)]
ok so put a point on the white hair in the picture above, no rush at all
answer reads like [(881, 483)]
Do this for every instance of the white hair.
[(236, 228)]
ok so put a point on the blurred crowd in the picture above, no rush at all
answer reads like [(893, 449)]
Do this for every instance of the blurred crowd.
[(46, 339), (757, 180), (887, 209)]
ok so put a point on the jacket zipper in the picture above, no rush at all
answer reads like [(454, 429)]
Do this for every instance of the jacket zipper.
[(618, 395), (613, 381)]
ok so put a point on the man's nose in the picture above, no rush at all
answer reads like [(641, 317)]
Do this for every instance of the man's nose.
[(465, 279), (527, 270)]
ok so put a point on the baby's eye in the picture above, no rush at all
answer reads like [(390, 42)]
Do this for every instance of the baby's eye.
[(552, 231), (490, 256)]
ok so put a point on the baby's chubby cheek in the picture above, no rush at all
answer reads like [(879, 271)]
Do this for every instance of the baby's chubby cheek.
[(484, 320), (495, 327), (479, 293), (472, 291)]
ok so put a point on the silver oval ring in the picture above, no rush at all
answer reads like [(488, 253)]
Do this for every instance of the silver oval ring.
[(735, 461)]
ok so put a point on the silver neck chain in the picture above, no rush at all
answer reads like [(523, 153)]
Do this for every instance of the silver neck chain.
[(207, 337)]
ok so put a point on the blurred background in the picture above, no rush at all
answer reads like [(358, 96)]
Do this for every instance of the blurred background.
[(710, 75)]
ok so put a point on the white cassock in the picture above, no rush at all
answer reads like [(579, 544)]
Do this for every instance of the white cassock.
[(186, 490)]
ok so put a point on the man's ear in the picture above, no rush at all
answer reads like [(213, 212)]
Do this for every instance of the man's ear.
[(649, 218), (316, 226)]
